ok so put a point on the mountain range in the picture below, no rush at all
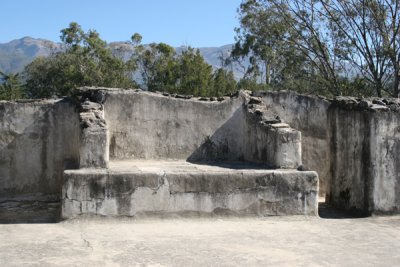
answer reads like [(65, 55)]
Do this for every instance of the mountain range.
[(16, 54)]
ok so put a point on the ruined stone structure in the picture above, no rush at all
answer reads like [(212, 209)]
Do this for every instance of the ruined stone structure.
[(353, 144), (118, 152), (143, 153)]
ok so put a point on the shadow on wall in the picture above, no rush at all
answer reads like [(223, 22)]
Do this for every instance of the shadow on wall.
[(252, 136), (225, 144)]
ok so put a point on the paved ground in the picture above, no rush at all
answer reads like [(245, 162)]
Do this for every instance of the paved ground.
[(275, 241)]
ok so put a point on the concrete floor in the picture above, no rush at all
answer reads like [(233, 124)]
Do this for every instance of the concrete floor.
[(26, 239), (275, 241)]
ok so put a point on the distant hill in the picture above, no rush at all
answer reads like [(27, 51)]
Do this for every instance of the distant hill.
[(16, 54)]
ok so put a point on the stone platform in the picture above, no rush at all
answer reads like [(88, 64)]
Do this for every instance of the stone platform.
[(162, 188)]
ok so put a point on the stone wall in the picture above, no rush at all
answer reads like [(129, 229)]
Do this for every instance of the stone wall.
[(145, 125), (309, 115), (38, 139), (190, 190), (385, 159), (230, 142), (152, 126), (350, 162), (366, 154), (353, 144)]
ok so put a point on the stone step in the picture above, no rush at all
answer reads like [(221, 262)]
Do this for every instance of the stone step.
[(145, 188)]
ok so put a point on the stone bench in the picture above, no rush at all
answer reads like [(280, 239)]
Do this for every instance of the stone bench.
[(143, 188)]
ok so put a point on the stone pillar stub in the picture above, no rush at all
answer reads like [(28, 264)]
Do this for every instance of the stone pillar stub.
[(94, 149)]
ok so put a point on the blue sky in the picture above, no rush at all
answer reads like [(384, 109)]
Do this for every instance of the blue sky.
[(197, 23)]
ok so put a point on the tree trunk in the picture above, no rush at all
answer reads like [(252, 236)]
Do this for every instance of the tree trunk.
[(378, 89), (267, 73), (396, 84)]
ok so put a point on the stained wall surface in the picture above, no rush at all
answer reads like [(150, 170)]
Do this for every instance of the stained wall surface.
[(152, 126), (366, 157), (144, 125), (350, 162), (38, 139), (385, 153), (308, 114), (353, 144)]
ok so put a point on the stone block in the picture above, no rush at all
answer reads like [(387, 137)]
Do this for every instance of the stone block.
[(181, 188)]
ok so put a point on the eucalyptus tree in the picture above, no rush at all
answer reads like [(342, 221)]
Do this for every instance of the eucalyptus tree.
[(342, 40), (371, 31), (157, 65), (266, 38)]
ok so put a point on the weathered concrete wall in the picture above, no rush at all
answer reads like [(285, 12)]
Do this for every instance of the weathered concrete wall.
[(94, 141), (350, 162), (187, 192), (385, 156), (309, 115), (144, 125), (269, 140), (352, 143), (152, 126), (366, 154), (37, 140)]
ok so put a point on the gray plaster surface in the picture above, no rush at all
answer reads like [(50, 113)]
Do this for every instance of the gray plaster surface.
[(308, 114), (271, 241), (38, 140), (182, 166), (138, 187)]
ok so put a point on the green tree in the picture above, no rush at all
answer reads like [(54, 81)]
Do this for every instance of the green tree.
[(317, 39), (259, 38), (372, 38), (86, 61), (251, 84), (223, 82), (10, 86), (338, 41), (162, 69), (158, 66), (194, 74), (263, 37)]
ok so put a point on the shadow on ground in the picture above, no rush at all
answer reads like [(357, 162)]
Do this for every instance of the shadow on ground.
[(15, 212), (29, 211), (326, 211)]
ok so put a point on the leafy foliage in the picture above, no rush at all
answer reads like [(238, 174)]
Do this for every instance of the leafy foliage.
[(162, 69), (157, 66), (87, 61), (224, 82), (10, 86), (328, 47), (194, 74), (324, 44)]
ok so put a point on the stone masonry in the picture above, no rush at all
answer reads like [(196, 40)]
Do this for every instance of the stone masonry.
[(172, 155), (114, 152)]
